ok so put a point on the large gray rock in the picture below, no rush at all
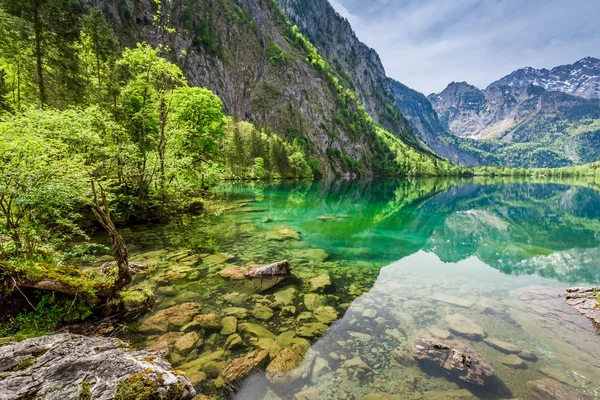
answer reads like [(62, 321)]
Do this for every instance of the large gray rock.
[(66, 366), (454, 358), (585, 300)]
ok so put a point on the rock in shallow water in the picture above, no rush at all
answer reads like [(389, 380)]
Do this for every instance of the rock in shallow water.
[(171, 318), (463, 326), (56, 367), (456, 359), (548, 389), (585, 300)]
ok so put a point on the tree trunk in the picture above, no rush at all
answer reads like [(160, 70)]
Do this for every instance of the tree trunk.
[(37, 29), (119, 248)]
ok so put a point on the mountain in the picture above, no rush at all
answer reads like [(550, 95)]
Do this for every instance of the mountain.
[(358, 65), (516, 122), (581, 78), (420, 113), (265, 70)]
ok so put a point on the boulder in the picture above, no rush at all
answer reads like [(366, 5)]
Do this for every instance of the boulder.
[(320, 282), (282, 233), (548, 389), (513, 361), (312, 329), (262, 312), (67, 366), (171, 318), (187, 342), (284, 367), (239, 368), (585, 300), (510, 348), (312, 301), (229, 325), (463, 326), (326, 314), (453, 358), (208, 321), (286, 295)]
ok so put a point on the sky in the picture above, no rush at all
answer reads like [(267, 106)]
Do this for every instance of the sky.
[(427, 44)]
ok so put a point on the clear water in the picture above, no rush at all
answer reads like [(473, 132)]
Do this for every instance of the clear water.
[(401, 256)]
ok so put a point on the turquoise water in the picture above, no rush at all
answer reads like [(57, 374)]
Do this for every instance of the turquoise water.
[(400, 259)]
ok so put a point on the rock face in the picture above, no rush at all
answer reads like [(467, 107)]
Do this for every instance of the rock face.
[(59, 367), (516, 111), (454, 358), (585, 300)]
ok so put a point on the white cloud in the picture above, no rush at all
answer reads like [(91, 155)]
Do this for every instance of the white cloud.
[(428, 43)]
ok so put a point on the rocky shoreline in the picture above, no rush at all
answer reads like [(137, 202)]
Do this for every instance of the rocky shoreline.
[(585, 300)]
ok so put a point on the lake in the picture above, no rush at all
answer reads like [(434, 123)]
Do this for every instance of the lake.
[(376, 267)]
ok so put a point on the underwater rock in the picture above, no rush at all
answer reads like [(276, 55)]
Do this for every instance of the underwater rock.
[(510, 348), (282, 233), (187, 342), (217, 259), (269, 345), (585, 300), (239, 368), (312, 301), (170, 318), (320, 282), (262, 312), (168, 291), (284, 367), (237, 312), (256, 330), (403, 357), (452, 300), (312, 329), (461, 394), (234, 273), (556, 375), (65, 366), (454, 358), (163, 342), (208, 321), (382, 396), (439, 332), (280, 268), (308, 393), (370, 313), (326, 314), (320, 368), (196, 378), (229, 325), (286, 295), (233, 341), (513, 361), (316, 255), (356, 363), (203, 359), (463, 326), (288, 311), (548, 389)]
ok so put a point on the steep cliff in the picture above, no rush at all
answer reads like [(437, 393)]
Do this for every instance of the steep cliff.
[(358, 65), (265, 71), (420, 113)]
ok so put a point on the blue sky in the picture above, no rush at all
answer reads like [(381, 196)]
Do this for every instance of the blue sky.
[(427, 44)]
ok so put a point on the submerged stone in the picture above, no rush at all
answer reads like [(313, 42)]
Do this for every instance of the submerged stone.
[(382, 396), (256, 330), (237, 312), (229, 325), (370, 313), (262, 312), (312, 329), (312, 301), (218, 258), (239, 368), (282, 233), (510, 348), (320, 282), (208, 321), (170, 318), (286, 295), (233, 341), (513, 361), (453, 358), (281, 369), (308, 393), (548, 389), (452, 300), (187, 342), (461, 394), (326, 314), (463, 326)]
